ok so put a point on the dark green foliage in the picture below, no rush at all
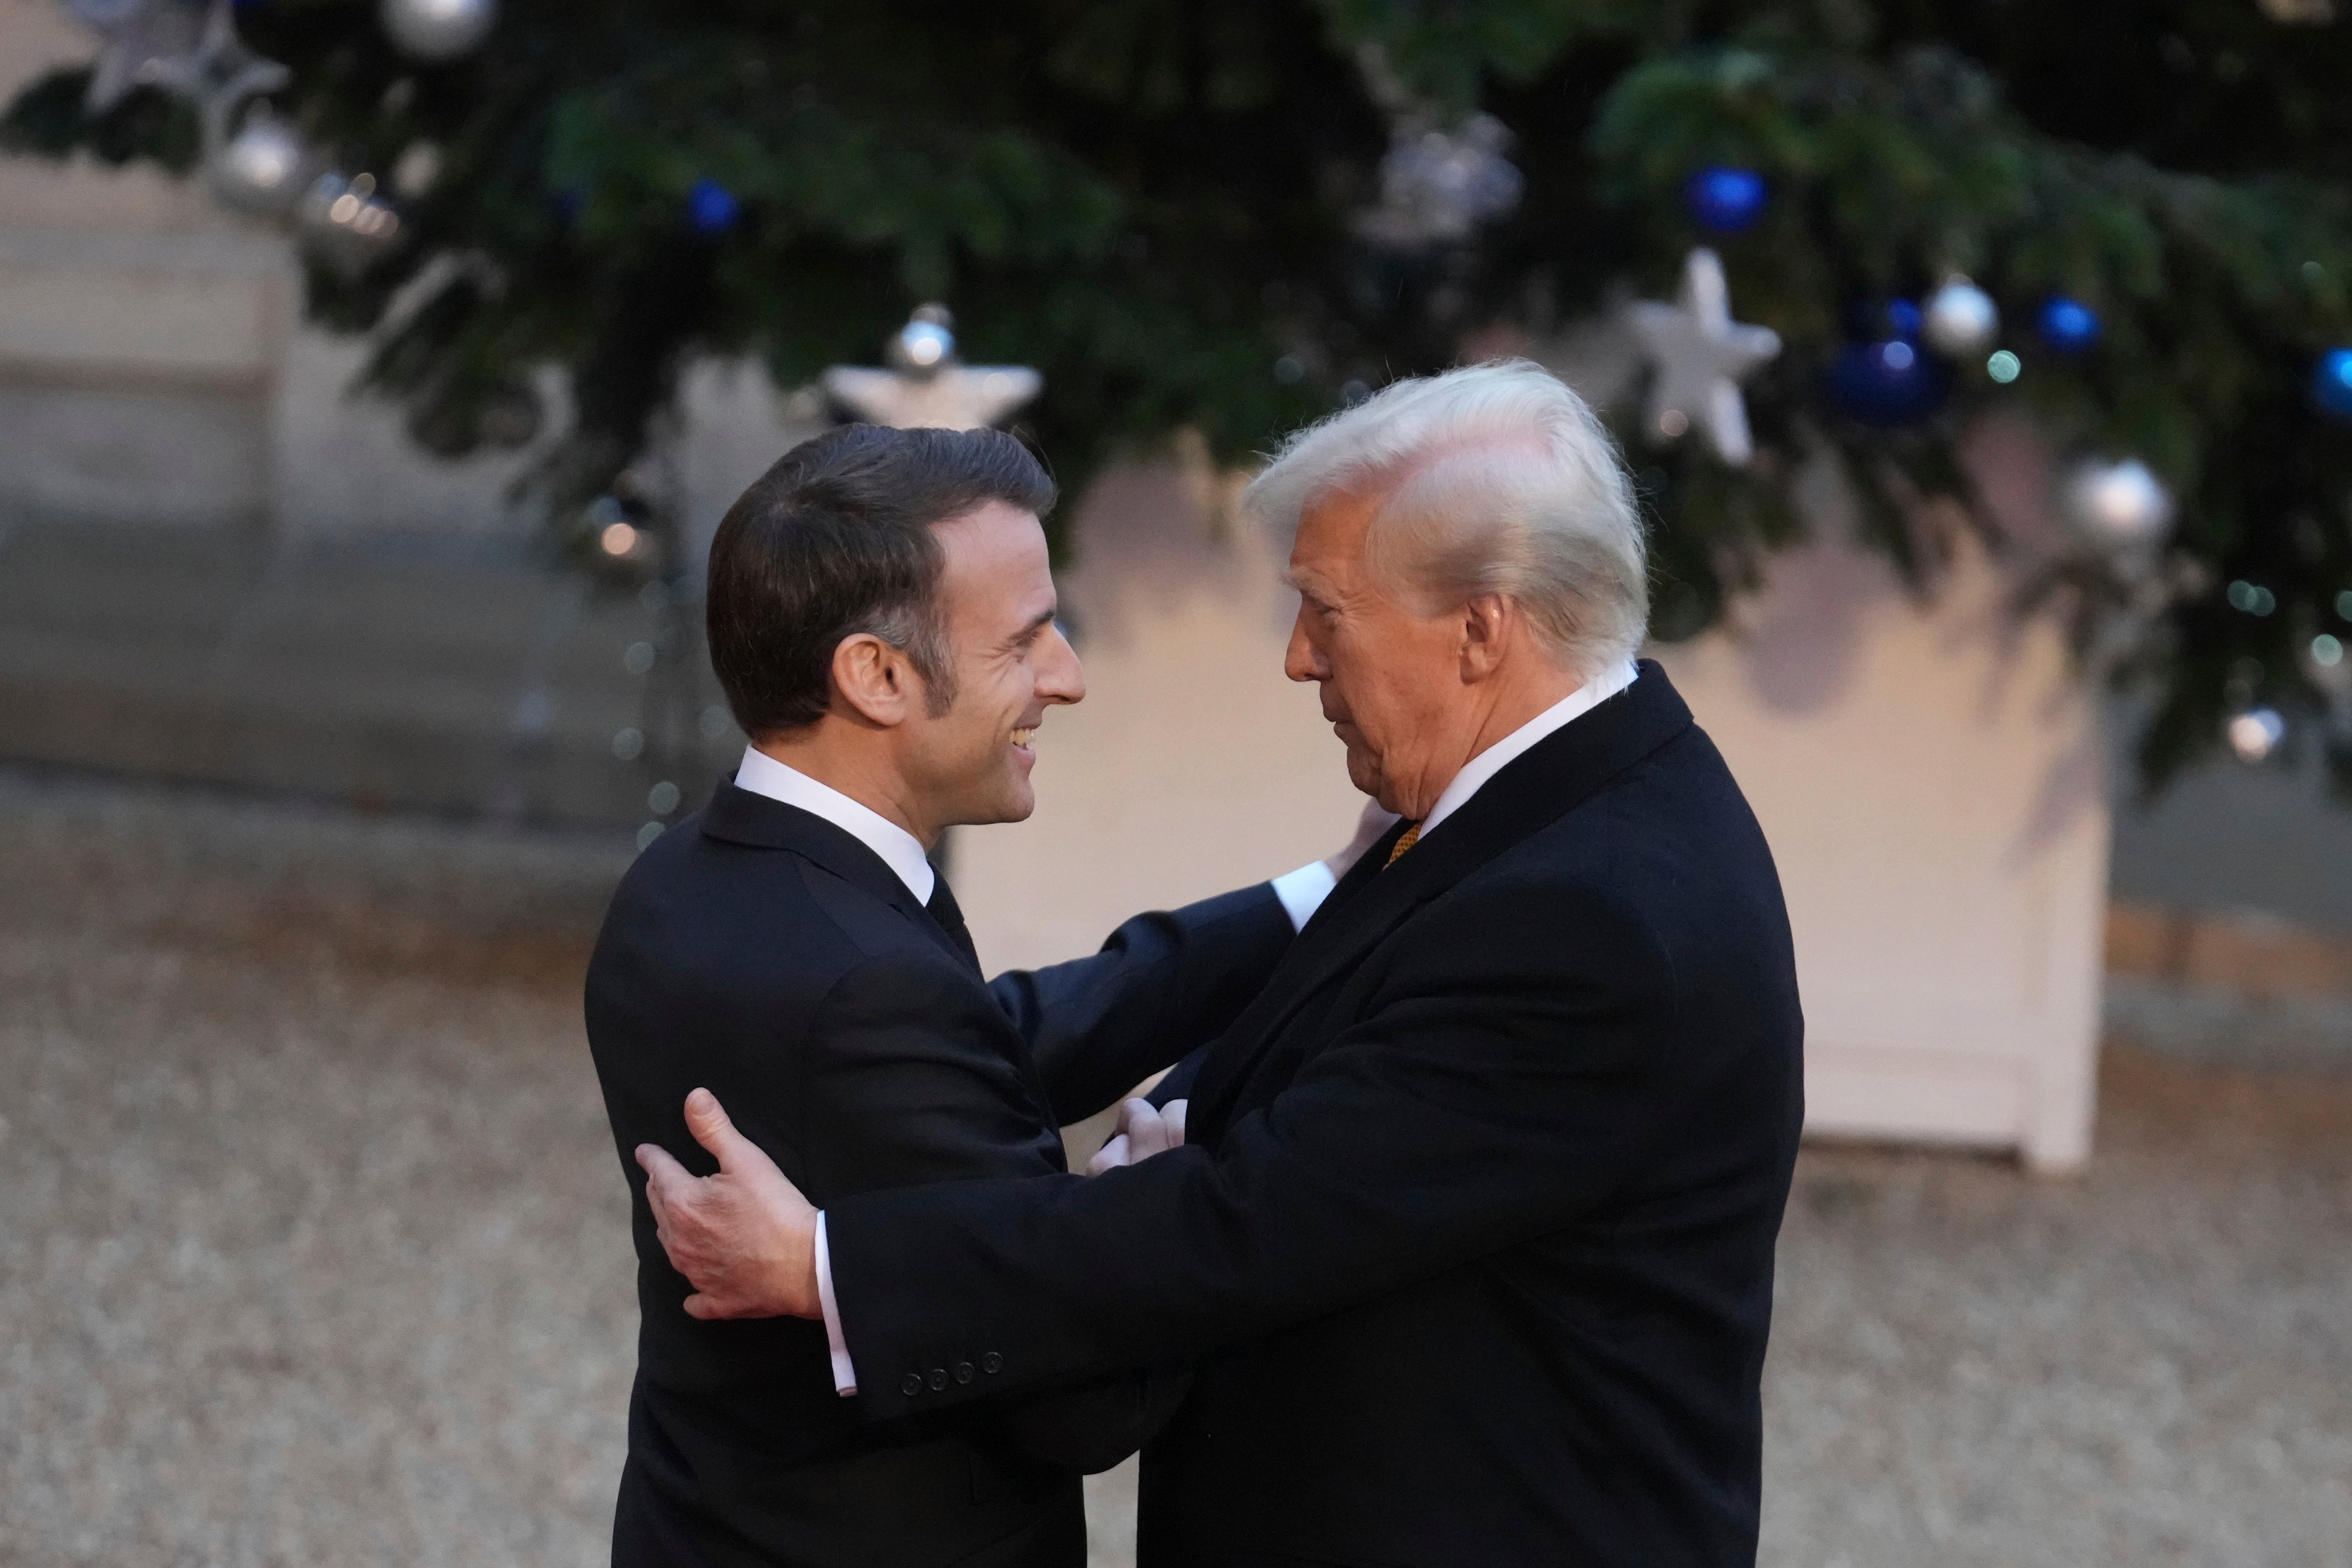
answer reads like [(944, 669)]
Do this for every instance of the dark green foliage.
[(1150, 199)]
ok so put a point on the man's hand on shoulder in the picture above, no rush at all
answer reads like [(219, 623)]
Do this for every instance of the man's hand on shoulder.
[(745, 1237)]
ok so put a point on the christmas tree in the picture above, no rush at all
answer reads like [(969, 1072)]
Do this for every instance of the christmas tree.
[(2129, 221)]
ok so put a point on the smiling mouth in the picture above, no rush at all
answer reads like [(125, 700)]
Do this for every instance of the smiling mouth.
[(1023, 737)]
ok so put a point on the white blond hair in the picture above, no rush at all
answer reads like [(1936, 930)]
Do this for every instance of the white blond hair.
[(1495, 478)]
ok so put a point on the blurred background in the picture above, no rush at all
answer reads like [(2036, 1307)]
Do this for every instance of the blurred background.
[(372, 373)]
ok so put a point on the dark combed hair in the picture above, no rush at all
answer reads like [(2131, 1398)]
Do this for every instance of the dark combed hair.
[(834, 540)]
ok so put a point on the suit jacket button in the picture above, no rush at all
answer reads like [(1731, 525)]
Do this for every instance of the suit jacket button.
[(991, 1362), (939, 1378), (911, 1384), (963, 1372)]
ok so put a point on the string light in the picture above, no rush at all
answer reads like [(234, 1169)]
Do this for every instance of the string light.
[(2255, 735)]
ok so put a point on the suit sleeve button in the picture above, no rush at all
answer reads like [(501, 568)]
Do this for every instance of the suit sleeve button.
[(911, 1384), (991, 1362), (963, 1372), (939, 1378)]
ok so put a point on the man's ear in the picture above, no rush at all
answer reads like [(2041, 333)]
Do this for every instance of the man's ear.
[(875, 680), (1488, 623)]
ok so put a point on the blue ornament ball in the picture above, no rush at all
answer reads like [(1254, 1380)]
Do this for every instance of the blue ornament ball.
[(711, 207), (1887, 384), (2068, 325), (2331, 383), (1724, 200)]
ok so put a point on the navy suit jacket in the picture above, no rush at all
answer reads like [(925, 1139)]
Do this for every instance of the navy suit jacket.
[(763, 952)]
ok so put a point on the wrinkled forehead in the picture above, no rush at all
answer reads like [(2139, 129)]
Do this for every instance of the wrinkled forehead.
[(1332, 526)]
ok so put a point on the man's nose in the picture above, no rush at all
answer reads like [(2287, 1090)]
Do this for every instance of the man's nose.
[(1300, 661), (1060, 676)]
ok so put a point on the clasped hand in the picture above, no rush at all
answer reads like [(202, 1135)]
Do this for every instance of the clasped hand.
[(1142, 1131), (746, 1237)]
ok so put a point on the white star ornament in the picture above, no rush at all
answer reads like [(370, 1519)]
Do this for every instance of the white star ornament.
[(955, 397), (189, 50), (1700, 355)]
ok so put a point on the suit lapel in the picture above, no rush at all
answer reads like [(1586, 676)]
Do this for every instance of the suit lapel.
[(1552, 778), (738, 816)]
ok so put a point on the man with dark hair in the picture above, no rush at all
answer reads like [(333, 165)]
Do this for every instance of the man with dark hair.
[(882, 617)]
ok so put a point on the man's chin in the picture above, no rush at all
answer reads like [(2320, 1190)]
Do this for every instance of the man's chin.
[(1013, 805)]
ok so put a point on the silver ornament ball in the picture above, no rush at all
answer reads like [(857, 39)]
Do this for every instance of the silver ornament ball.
[(259, 169), (1437, 186), (2116, 506), (925, 345), (439, 29), (1959, 320)]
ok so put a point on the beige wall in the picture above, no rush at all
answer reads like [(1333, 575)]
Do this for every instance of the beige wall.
[(138, 328)]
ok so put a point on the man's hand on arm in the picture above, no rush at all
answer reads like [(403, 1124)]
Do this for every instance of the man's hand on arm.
[(745, 1237)]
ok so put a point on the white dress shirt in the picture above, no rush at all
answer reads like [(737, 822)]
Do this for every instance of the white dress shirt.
[(1302, 892), (900, 851)]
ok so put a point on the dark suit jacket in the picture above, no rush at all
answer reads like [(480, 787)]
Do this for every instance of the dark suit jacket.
[(1476, 1235), (765, 953)]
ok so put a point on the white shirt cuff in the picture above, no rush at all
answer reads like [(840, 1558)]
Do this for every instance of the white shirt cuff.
[(844, 1376), (1302, 891)]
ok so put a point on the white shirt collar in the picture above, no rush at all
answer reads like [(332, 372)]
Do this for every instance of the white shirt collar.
[(1503, 752), (900, 851)]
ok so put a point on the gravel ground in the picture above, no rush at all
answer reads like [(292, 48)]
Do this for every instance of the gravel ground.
[(312, 1247)]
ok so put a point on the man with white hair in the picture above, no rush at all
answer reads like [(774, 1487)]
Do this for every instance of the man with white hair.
[(1471, 1234)]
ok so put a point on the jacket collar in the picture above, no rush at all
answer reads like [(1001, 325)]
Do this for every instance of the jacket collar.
[(1552, 778), (739, 816)]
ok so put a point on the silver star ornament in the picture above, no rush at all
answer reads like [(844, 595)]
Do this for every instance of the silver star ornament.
[(188, 49), (1698, 355), (928, 387)]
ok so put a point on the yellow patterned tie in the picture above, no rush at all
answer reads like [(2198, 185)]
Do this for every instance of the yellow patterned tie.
[(1412, 837)]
